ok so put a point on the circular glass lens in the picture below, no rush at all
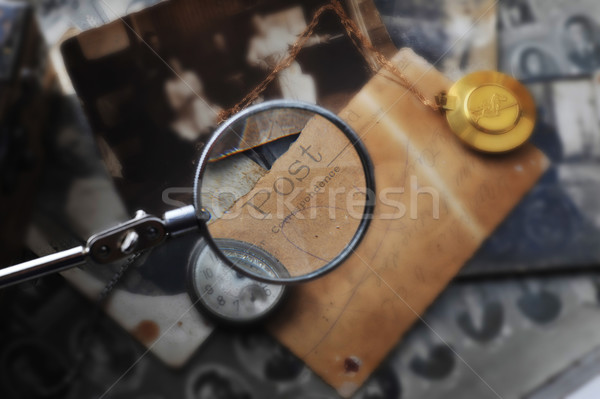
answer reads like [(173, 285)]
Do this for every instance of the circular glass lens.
[(291, 180)]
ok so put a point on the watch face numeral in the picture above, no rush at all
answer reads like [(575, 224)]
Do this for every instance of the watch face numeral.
[(228, 294), (214, 259)]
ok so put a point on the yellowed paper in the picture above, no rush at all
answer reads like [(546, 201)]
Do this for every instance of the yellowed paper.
[(309, 205), (344, 324)]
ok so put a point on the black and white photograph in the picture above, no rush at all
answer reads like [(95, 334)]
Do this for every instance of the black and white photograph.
[(515, 13), (576, 106), (549, 38), (457, 36), (265, 358), (567, 132), (12, 25), (569, 113), (577, 119)]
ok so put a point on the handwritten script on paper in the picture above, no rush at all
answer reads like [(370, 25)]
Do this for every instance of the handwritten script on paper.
[(345, 323)]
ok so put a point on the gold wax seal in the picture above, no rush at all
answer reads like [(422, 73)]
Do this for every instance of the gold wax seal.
[(489, 111)]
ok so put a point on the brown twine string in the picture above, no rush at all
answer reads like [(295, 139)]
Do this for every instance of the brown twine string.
[(357, 38)]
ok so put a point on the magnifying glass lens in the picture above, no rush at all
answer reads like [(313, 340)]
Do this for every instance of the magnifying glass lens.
[(288, 180)]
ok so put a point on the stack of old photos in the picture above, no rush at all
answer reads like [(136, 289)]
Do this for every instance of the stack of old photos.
[(553, 46), (138, 77)]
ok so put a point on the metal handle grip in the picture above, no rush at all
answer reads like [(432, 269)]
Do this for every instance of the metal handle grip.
[(42, 266), (138, 234)]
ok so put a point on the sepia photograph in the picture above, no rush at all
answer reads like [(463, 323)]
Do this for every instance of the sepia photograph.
[(153, 87), (57, 17)]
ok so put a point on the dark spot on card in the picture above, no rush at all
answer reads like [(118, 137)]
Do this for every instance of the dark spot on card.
[(352, 365)]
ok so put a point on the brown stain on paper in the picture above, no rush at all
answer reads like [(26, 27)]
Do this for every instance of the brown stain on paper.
[(146, 331)]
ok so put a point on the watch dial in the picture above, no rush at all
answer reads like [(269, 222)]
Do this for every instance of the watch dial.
[(228, 294)]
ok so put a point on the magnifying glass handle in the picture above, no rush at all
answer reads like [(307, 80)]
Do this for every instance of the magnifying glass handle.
[(138, 234), (45, 265)]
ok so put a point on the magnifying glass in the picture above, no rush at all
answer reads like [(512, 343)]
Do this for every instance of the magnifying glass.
[(282, 194)]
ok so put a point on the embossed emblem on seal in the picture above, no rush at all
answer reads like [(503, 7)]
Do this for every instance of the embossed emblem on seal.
[(493, 109), (489, 111)]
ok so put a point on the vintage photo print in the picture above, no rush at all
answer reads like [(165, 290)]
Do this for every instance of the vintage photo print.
[(457, 36), (56, 17), (154, 83), (577, 110), (549, 38), (569, 133)]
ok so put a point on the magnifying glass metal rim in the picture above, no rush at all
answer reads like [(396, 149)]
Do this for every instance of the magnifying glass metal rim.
[(359, 148)]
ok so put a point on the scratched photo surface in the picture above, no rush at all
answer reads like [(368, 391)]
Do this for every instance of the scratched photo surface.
[(153, 84), (549, 38), (457, 36)]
